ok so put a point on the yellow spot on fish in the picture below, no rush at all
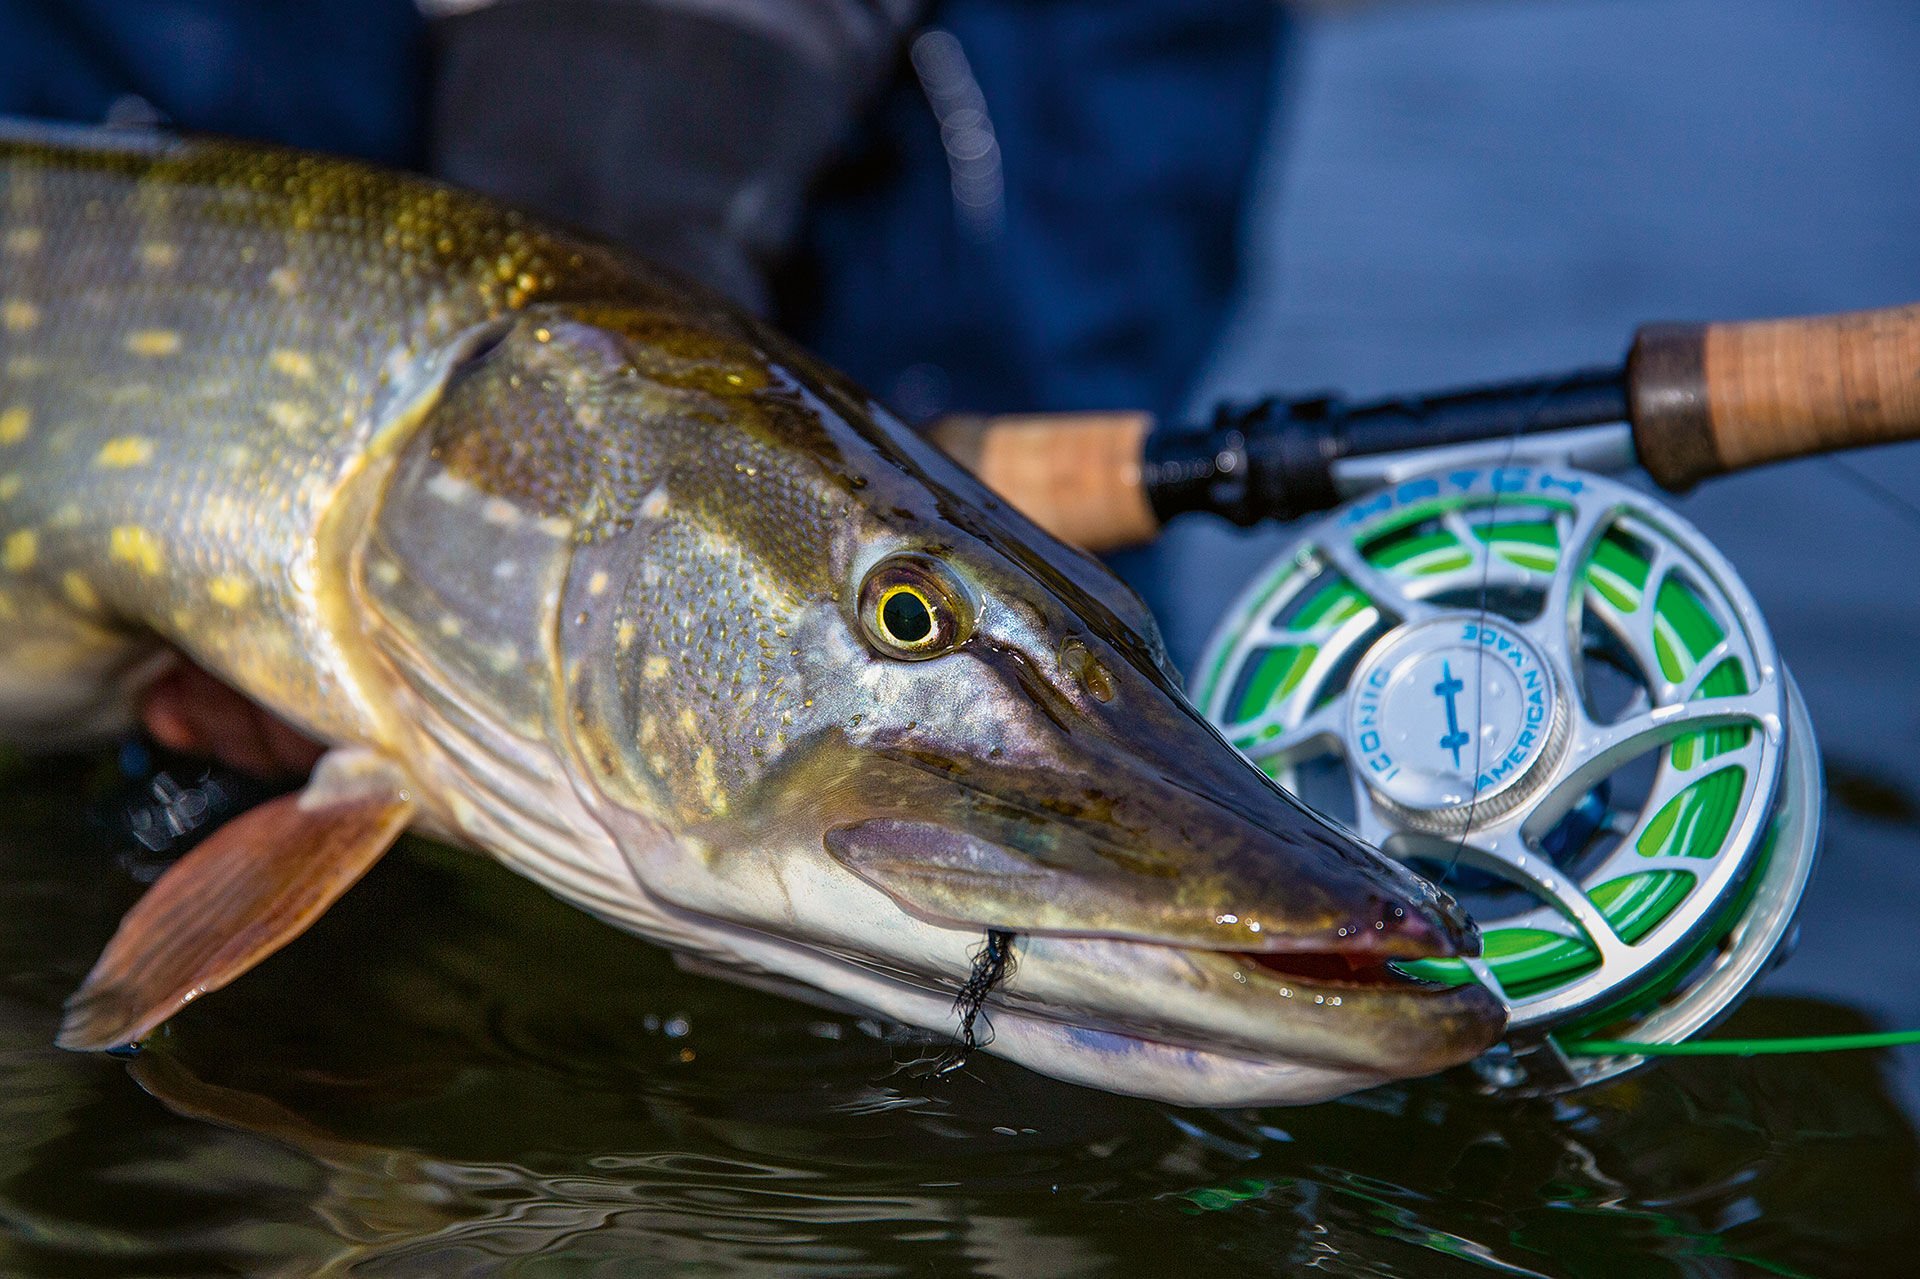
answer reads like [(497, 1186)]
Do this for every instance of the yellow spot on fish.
[(230, 590), (21, 367), (449, 626), (448, 487), (284, 280), (706, 775), (294, 364), (20, 550), (236, 455), (23, 240), (15, 423), (497, 510), (597, 584), (80, 591), (386, 572), (289, 416), (543, 335), (123, 451), (153, 344), (688, 722), (10, 486), (655, 667), (17, 315), (131, 544), (623, 635), (159, 256)]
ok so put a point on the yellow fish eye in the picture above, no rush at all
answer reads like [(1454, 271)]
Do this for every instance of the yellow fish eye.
[(906, 616), (912, 607)]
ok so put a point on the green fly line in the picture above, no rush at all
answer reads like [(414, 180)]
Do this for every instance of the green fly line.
[(1740, 1047)]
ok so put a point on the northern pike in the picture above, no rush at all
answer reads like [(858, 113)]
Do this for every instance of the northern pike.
[(573, 564)]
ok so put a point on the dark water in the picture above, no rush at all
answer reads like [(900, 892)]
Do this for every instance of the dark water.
[(454, 1075)]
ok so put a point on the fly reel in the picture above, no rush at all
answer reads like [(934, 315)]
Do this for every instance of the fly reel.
[(1552, 696)]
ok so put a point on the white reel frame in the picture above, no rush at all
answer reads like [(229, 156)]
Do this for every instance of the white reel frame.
[(1700, 867)]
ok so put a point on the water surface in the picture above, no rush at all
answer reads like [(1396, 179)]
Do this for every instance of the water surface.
[(454, 1074)]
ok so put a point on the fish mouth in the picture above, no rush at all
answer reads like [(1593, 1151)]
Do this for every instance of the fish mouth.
[(1202, 946), (1330, 968), (1166, 1023), (1245, 994), (1341, 1016), (1310, 1013)]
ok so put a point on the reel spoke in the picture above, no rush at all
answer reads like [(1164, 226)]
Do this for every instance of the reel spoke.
[(1368, 823), (1483, 567), (1693, 866), (1319, 729), (1556, 629), (1596, 751), (1687, 689), (1670, 784), (1314, 637), (1507, 853), (1606, 746), (1372, 831), (1389, 593)]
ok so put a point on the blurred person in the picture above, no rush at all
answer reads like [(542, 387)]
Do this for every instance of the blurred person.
[(989, 205)]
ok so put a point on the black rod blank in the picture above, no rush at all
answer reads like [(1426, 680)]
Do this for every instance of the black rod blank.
[(1274, 459)]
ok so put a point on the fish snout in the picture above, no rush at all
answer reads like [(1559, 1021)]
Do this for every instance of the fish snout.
[(1175, 870)]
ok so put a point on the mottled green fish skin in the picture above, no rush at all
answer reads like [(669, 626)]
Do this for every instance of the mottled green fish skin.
[(198, 345)]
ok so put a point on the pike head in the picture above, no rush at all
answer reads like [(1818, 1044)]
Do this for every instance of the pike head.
[(840, 712)]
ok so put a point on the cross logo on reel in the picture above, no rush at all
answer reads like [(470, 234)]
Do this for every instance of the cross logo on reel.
[(1451, 717), (1449, 688)]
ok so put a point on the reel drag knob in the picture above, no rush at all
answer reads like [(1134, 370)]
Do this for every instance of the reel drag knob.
[(1454, 721)]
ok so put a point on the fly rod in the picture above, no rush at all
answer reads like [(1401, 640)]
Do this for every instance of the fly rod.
[(1691, 401)]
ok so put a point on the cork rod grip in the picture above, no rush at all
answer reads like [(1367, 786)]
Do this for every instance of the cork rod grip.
[(1077, 475), (1713, 398)]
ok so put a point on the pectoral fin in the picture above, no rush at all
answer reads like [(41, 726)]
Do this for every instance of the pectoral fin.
[(249, 889)]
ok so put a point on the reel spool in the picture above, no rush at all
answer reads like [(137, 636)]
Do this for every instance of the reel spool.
[(1553, 697)]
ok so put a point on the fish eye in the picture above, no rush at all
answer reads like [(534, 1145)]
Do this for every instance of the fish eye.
[(912, 607)]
